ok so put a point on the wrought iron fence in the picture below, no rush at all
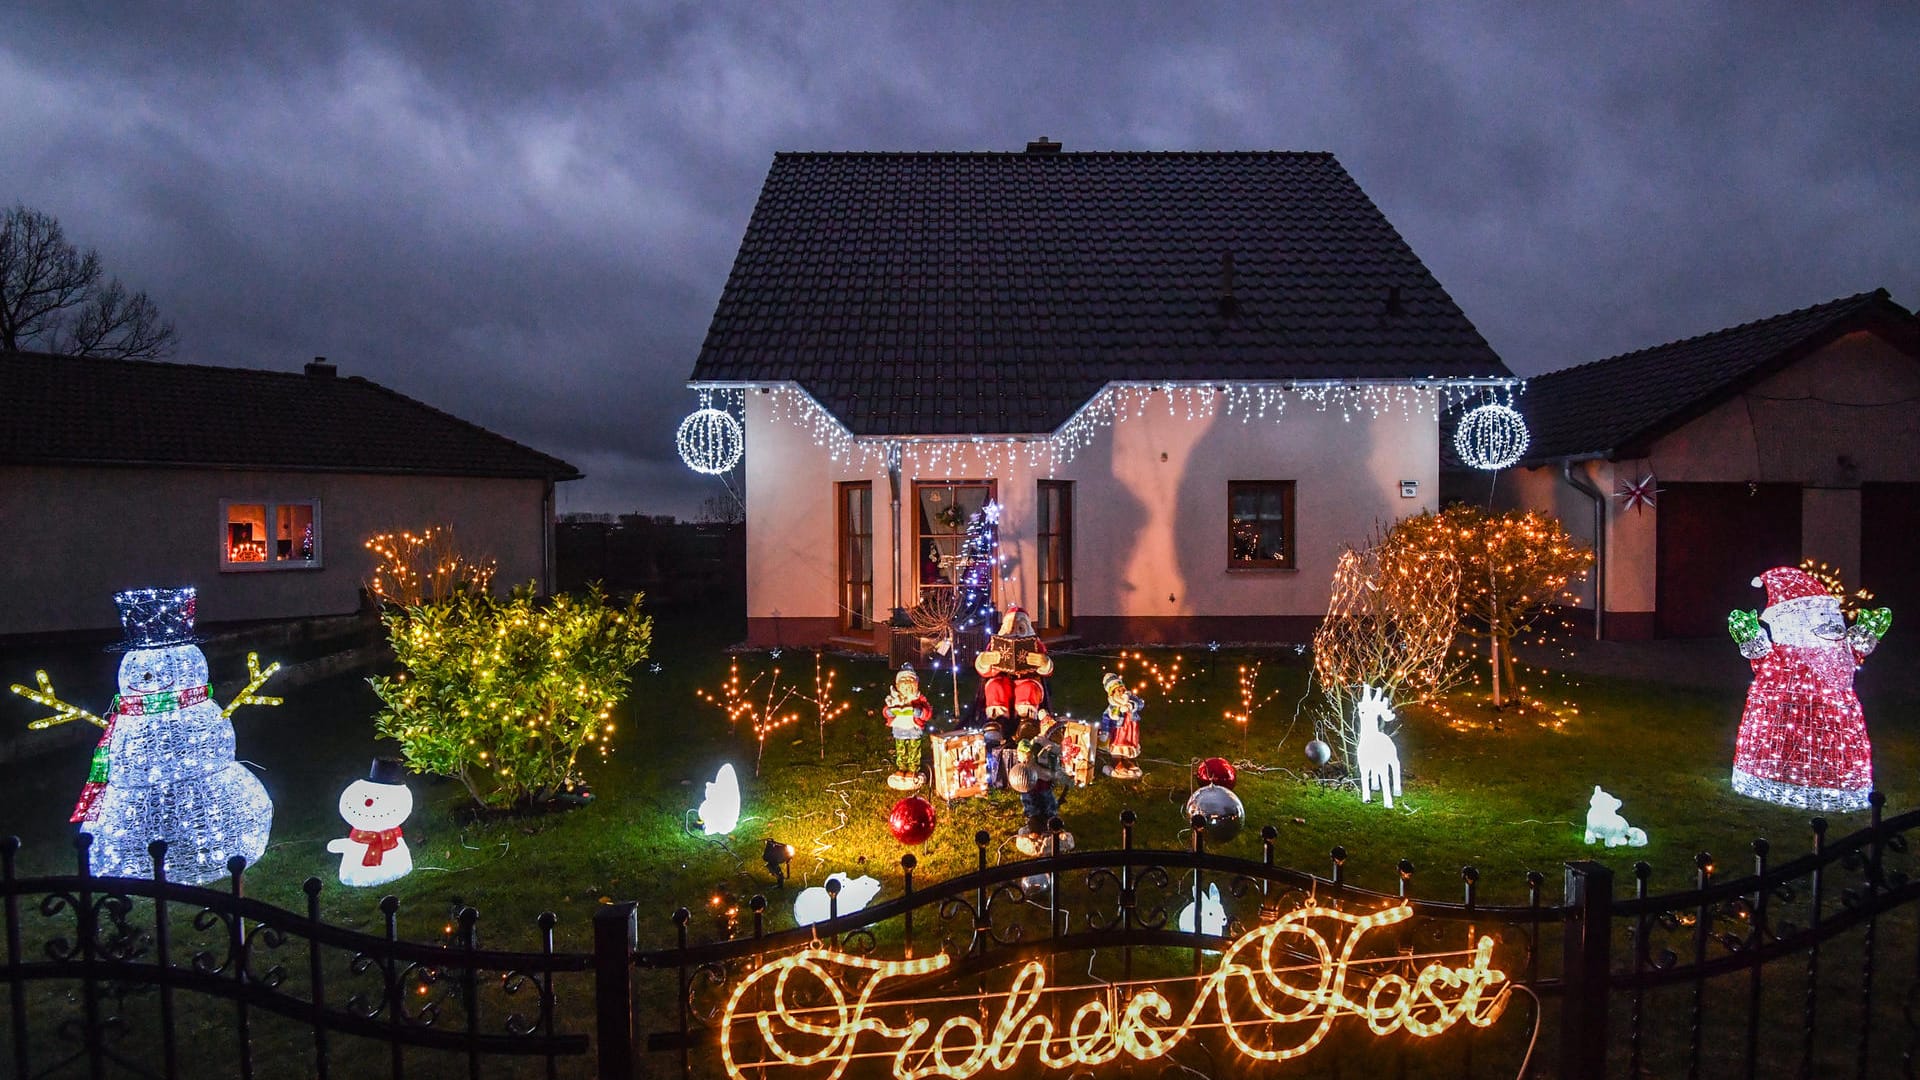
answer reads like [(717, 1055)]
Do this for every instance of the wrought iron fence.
[(1808, 967)]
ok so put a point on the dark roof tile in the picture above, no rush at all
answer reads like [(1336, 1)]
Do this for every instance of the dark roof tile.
[(988, 268), (86, 410)]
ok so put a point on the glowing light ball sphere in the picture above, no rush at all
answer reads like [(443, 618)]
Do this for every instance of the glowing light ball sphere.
[(911, 820), (1220, 809), (1491, 437), (1216, 770), (710, 441)]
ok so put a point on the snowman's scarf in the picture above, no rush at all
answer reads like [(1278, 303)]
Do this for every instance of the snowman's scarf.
[(127, 705), (378, 843)]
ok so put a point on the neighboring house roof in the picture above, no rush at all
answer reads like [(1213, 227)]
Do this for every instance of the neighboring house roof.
[(90, 411), (978, 293), (1614, 407)]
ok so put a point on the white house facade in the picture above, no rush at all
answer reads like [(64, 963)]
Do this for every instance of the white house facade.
[(1184, 382)]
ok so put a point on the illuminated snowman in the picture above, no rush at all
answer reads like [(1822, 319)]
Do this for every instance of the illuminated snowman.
[(374, 852), (164, 767)]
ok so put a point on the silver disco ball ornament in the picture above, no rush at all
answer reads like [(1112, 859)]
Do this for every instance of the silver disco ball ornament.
[(1491, 437), (710, 441), (1319, 752), (1222, 810)]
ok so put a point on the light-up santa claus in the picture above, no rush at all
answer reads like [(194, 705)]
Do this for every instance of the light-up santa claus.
[(1803, 738), (1015, 666)]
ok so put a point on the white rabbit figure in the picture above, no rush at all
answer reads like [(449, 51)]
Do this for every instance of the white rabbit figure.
[(1213, 914), (1379, 758)]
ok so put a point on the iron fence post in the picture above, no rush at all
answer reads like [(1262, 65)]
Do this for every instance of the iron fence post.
[(616, 934), (1583, 1007)]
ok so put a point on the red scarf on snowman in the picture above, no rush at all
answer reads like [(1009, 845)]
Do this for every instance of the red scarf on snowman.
[(126, 705), (378, 843)]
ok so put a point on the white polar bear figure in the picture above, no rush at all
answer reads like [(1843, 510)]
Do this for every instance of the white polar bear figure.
[(812, 905), (1213, 914), (373, 852), (1379, 759), (720, 811), (1605, 823)]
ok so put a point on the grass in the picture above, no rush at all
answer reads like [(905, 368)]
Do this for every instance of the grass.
[(1506, 793)]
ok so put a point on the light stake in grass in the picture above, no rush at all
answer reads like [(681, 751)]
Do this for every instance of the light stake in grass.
[(824, 706)]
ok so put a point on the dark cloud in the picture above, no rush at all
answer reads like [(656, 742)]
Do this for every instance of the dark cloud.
[(525, 214)]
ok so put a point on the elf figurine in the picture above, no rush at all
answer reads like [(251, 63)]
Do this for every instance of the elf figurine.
[(1803, 738), (1120, 727), (1015, 667), (908, 715), (1035, 772)]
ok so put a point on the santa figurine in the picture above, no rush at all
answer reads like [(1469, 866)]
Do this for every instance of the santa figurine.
[(1803, 739), (908, 715), (1015, 666), (374, 852), (1120, 727)]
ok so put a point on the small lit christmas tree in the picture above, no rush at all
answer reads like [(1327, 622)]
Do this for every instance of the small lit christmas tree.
[(974, 570)]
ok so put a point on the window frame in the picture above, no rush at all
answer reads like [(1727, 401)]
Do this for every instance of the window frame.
[(842, 535), (1049, 621), (273, 562), (992, 486), (1289, 536)]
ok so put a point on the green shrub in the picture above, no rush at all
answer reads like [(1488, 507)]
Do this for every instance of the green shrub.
[(504, 695)]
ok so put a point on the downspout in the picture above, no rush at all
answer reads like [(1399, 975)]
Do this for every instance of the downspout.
[(900, 617), (1580, 484), (547, 569)]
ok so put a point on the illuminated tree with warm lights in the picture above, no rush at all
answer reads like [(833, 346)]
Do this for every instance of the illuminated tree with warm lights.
[(764, 713), (1390, 625), (1513, 567), (505, 695), (425, 567)]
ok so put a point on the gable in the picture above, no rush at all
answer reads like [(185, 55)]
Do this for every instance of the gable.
[(936, 294)]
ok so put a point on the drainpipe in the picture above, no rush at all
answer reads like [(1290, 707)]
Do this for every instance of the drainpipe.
[(1580, 484), (900, 617)]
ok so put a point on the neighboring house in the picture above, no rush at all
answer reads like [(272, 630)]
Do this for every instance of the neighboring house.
[(1789, 437), (258, 488), (1187, 380)]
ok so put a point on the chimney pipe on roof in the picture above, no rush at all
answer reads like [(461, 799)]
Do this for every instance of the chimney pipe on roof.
[(320, 369), (1043, 145)]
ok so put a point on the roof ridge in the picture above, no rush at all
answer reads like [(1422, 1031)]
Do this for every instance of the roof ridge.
[(1025, 155), (1879, 293), (128, 361), (391, 392)]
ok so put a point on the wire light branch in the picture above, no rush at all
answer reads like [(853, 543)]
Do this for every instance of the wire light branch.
[(62, 711), (255, 679)]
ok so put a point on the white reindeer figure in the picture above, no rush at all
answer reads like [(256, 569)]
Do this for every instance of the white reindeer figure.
[(1379, 758)]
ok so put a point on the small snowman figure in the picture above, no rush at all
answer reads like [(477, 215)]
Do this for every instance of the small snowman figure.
[(373, 852)]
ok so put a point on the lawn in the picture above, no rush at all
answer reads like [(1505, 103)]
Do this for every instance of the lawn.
[(1503, 792)]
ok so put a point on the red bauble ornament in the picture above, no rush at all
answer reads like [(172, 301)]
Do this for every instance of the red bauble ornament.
[(911, 820), (1216, 770)]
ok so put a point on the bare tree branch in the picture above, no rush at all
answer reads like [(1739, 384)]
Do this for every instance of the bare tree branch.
[(52, 297)]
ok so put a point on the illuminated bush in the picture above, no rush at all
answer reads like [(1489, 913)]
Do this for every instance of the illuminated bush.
[(1513, 567), (505, 695)]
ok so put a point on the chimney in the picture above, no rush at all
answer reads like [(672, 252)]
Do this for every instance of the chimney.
[(320, 369), (1043, 145)]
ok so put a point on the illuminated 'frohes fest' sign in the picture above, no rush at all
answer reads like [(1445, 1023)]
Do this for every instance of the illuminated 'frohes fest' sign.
[(1275, 996)]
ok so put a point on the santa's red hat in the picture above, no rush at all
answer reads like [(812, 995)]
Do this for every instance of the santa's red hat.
[(1784, 583)]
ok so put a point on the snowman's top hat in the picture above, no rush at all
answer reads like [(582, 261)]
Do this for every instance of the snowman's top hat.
[(156, 618), (387, 770)]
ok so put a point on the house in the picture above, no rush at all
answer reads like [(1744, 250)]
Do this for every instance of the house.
[(1183, 381), (1788, 437), (258, 488)]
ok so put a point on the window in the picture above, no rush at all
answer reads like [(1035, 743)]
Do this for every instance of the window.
[(855, 513), (1055, 536), (270, 535), (1260, 525), (942, 509)]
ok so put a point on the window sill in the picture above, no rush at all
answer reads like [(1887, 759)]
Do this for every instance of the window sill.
[(1263, 569), (269, 568)]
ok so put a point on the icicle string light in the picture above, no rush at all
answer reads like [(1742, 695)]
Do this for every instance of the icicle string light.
[(996, 455)]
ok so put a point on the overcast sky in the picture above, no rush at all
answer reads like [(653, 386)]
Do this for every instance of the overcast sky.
[(524, 213)]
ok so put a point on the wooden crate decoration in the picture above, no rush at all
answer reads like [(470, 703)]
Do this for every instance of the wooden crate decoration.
[(959, 764), (1076, 751)]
